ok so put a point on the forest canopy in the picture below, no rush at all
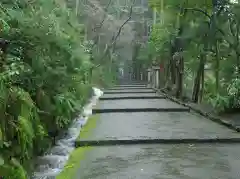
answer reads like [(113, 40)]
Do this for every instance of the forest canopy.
[(205, 34), (47, 72)]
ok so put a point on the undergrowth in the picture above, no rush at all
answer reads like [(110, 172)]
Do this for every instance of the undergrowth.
[(89, 127), (74, 162), (43, 80), (71, 168)]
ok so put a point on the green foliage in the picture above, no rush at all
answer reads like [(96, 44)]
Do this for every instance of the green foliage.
[(72, 166), (43, 79), (204, 28)]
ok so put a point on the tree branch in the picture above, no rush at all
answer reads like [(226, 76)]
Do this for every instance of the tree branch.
[(98, 26), (114, 38), (121, 27), (231, 27), (228, 41), (198, 10)]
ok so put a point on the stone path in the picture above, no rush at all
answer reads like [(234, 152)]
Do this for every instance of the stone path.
[(161, 162), (144, 125), (125, 116), (139, 103), (132, 96), (138, 91)]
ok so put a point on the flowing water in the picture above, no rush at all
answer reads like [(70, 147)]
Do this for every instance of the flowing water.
[(52, 163)]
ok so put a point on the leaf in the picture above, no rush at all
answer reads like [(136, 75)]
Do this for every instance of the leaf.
[(1, 161), (15, 162), (4, 26), (1, 135), (7, 144)]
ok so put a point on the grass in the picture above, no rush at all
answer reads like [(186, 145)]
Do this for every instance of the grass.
[(89, 127), (73, 164)]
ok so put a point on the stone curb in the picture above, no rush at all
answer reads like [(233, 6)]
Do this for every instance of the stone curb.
[(124, 92), (129, 88), (125, 110), (82, 143), (201, 112), (132, 97)]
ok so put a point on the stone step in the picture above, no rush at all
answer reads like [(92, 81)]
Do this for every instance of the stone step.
[(140, 104), (129, 88), (160, 161), (124, 95), (132, 110), (122, 92), (124, 142), (132, 97), (138, 85), (129, 91), (154, 125)]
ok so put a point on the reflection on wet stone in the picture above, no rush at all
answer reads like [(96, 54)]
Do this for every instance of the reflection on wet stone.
[(179, 161), (162, 161), (129, 95), (143, 125), (129, 91), (138, 103)]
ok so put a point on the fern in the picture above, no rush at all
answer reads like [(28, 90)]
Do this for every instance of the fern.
[(25, 135), (44, 80), (17, 172)]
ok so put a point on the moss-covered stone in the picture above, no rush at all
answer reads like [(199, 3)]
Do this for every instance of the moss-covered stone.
[(89, 127), (73, 164)]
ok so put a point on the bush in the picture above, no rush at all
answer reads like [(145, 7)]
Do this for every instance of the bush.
[(42, 80)]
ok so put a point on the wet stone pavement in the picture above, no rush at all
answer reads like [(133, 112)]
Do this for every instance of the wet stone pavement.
[(142, 125), (157, 161), (161, 162), (129, 91), (123, 95), (139, 103)]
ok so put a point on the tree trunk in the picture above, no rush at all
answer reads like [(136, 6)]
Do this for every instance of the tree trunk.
[(202, 85), (134, 60), (197, 81), (180, 73), (217, 67), (173, 71), (167, 74), (238, 63)]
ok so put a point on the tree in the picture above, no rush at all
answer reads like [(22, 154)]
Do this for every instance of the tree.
[(205, 31), (47, 56)]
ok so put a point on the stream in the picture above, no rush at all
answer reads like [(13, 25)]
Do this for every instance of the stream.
[(53, 162)]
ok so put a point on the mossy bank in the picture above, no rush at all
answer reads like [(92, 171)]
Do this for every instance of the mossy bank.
[(78, 155)]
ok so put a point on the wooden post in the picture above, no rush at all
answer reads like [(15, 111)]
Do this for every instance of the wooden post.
[(156, 76), (152, 77), (149, 75), (162, 12), (154, 15), (77, 5)]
